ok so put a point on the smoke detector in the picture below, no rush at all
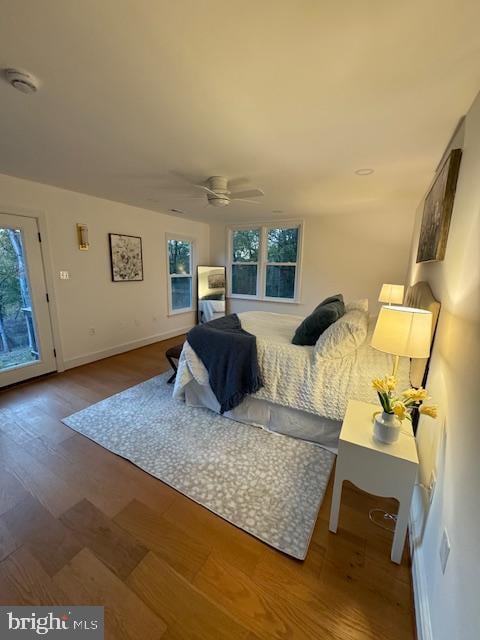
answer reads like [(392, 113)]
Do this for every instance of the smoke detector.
[(22, 80), (364, 172)]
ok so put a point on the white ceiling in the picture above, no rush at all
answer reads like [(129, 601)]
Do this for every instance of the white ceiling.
[(294, 94)]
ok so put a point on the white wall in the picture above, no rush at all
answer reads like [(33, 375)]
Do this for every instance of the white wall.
[(451, 444), (124, 314), (349, 254)]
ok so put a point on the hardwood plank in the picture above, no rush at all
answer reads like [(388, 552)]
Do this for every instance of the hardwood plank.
[(378, 542), (279, 573), (189, 614), (8, 542), (39, 424), (116, 548), (183, 552), (30, 524), (365, 592), (115, 474), (26, 582), (12, 430), (104, 493), (262, 613), (345, 548), (229, 542), (330, 592), (68, 385), (56, 495), (11, 491), (86, 580)]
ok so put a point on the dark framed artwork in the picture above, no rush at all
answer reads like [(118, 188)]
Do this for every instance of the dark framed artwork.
[(437, 211), (126, 259)]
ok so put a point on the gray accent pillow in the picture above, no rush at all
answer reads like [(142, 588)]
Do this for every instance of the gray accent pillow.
[(312, 327)]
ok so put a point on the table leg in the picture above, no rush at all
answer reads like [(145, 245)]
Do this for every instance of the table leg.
[(401, 529), (336, 499)]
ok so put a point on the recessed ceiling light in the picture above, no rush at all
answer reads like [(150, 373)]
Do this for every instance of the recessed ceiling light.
[(364, 172)]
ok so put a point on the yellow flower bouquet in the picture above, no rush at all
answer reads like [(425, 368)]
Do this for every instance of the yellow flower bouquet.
[(401, 405)]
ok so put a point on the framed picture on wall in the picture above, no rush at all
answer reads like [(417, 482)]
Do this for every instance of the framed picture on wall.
[(437, 211), (126, 259)]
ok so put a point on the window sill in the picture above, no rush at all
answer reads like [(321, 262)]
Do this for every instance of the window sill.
[(255, 299), (178, 312)]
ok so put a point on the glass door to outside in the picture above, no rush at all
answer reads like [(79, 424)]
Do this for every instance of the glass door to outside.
[(26, 345)]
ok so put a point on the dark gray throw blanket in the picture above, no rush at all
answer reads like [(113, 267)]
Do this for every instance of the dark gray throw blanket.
[(230, 356)]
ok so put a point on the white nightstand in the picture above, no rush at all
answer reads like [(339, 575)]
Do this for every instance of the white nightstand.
[(387, 470)]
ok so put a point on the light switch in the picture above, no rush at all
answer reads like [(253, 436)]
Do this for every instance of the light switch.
[(64, 275)]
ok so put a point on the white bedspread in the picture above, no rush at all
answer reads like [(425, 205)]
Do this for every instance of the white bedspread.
[(295, 376)]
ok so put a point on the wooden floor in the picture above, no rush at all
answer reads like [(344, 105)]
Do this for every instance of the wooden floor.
[(79, 525)]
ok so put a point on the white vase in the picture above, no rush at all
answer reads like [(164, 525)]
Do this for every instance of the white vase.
[(386, 428)]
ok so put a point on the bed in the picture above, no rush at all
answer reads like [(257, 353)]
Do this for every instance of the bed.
[(210, 309), (304, 395)]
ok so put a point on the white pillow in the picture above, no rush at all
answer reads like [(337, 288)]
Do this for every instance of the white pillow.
[(360, 305), (343, 336)]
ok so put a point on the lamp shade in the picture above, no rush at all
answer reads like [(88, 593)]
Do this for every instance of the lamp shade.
[(391, 293), (403, 331)]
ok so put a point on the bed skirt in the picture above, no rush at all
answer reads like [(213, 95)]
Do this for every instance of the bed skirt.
[(270, 416)]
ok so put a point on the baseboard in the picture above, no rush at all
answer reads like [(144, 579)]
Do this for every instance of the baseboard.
[(419, 579), (77, 361)]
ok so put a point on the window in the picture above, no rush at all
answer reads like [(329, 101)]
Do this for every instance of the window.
[(180, 260), (282, 249), (245, 254), (264, 262)]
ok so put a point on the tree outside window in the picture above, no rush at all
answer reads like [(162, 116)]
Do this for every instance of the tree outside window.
[(180, 274), (245, 249), (264, 262), (17, 334)]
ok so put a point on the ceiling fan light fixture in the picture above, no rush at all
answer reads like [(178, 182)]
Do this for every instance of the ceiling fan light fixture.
[(217, 201), (218, 192)]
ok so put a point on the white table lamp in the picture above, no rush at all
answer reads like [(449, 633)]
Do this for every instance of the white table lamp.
[(403, 331), (391, 293)]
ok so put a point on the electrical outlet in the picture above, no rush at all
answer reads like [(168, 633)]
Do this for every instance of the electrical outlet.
[(444, 550)]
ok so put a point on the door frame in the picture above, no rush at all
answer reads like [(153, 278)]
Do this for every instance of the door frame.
[(48, 271)]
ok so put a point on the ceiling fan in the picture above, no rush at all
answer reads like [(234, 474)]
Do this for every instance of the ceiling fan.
[(220, 191)]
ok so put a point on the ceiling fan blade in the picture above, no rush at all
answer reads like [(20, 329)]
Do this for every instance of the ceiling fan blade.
[(202, 186), (246, 200), (186, 178), (234, 183), (250, 193), (173, 189), (185, 197)]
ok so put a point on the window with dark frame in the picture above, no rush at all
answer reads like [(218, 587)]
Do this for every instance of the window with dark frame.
[(180, 260), (264, 262)]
